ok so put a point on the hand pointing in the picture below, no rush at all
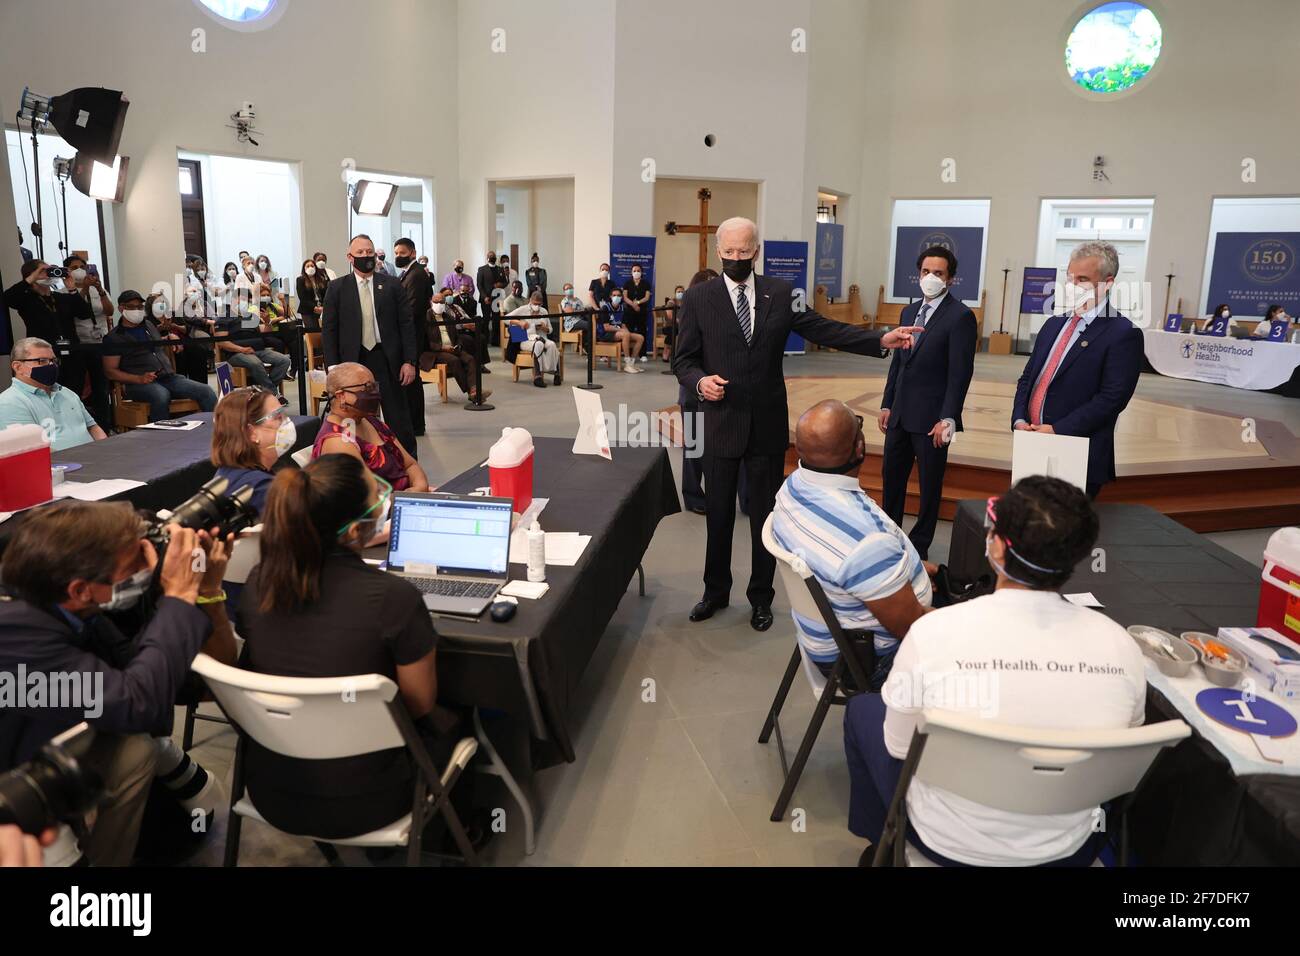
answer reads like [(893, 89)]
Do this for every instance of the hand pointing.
[(899, 338)]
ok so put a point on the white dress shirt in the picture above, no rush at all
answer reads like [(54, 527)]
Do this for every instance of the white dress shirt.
[(749, 294)]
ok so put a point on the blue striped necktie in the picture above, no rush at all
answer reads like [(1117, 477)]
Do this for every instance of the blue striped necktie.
[(742, 313)]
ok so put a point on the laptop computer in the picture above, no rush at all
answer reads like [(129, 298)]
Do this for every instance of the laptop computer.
[(454, 548)]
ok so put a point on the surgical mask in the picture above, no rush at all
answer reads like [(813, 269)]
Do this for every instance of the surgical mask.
[(77, 275), (439, 308), (320, 263), (310, 270), (201, 273), (285, 436), (636, 276), (159, 309), (126, 594), (568, 293), (680, 296), (402, 261), (932, 285), (1075, 298), (232, 273), (1227, 315), (364, 264), (46, 375), (45, 283), (738, 270), (616, 300), (263, 264), (604, 273), (133, 316)]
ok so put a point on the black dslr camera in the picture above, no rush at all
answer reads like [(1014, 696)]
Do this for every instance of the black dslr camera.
[(209, 508), (53, 787)]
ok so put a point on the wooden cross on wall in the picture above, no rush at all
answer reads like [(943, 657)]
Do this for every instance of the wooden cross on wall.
[(703, 228)]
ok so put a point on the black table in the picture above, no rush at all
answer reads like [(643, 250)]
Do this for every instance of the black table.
[(172, 464), (1192, 810), (530, 665)]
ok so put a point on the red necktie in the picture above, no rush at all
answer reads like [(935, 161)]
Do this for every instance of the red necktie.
[(1039, 395)]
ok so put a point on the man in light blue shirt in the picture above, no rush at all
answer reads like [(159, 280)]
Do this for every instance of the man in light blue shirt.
[(35, 397), (873, 576)]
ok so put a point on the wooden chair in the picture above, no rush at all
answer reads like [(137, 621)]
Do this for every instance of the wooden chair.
[(576, 339), (612, 350), (525, 360), (438, 376), (130, 414), (314, 354), (316, 393)]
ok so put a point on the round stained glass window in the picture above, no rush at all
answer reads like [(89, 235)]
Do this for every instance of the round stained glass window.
[(1112, 47)]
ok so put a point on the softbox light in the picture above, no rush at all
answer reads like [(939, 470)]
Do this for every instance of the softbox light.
[(99, 180), (371, 198)]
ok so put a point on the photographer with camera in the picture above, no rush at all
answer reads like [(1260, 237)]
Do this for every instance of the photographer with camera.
[(65, 564), (50, 317)]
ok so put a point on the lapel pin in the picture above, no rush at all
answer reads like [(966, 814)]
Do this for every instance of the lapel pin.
[(1083, 343)]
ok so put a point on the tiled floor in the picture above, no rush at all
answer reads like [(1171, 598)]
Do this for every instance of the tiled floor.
[(667, 716)]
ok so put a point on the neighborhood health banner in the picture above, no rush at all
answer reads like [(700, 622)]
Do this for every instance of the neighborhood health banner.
[(964, 242), (830, 258), (626, 252), (1252, 270), (1240, 363), (789, 261)]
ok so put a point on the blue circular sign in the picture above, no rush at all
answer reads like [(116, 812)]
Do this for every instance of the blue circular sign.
[(1230, 707)]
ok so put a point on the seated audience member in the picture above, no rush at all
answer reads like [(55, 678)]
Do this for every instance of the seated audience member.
[(251, 431), (146, 374), (314, 608), (546, 354), (352, 427), (190, 357), (514, 298), (873, 577), (1265, 325), (571, 306), (671, 307), (610, 328), (1038, 532), (66, 563), (601, 289), (311, 295), (465, 296), (442, 328), (35, 397)]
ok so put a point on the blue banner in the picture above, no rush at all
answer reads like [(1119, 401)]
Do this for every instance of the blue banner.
[(1253, 270), (964, 242), (830, 258), (626, 252), (783, 259), (1037, 290)]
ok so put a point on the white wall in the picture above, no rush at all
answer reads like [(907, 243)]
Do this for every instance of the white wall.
[(553, 230), (994, 96), (558, 68), (308, 110)]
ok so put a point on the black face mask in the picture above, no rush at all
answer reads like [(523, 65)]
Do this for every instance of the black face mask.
[(850, 467), (367, 403), (738, 270), (364, 264), (460, 269), (402, 261), (492, 260), (46, 375)]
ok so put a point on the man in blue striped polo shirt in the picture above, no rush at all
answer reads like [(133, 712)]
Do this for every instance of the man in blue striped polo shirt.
[(872, 575)]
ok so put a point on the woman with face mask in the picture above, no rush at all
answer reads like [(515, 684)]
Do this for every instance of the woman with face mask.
[(251, 433), (314, 608), (311, 295), (322, 265), (353, 427), (636, 294)]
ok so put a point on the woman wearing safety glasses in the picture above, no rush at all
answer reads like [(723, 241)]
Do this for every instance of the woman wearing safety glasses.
[(251, 432)]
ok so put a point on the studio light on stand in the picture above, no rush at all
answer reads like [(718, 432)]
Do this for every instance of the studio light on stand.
[(99, 180), (62, 173), (371, 198), (88, 118)]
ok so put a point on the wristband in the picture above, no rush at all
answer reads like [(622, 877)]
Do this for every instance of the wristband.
[(214, 599)]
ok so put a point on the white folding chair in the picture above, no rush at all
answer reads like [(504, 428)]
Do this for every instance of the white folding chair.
[(809, 601), (327, 718), (1021, 770)]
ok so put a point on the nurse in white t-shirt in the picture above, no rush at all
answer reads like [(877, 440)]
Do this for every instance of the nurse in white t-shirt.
[(1022, 655)]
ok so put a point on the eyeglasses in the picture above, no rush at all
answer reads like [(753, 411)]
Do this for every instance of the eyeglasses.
[(384, 495), (41, 361)]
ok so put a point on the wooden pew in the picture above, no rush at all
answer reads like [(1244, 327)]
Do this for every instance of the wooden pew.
[(887, 314), (849, 312)]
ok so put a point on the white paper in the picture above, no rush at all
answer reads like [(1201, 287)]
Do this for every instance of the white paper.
[(184, 426), (563, 548), (95, 490), (592, 437), (1057, 456), (1084, 599), (531, 590)]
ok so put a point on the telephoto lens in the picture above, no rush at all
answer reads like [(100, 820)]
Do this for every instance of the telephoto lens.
[(53, 787), (209, 508)]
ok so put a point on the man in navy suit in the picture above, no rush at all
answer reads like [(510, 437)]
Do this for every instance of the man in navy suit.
[(921, 409), (1085, 364), (730, 347)]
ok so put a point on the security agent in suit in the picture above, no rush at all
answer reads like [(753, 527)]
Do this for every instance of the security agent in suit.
[(418, 285), (377, 331), (730, 348), (924, 394), (1085, 364)]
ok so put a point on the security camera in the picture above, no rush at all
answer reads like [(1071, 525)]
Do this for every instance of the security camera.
[(242, 123)]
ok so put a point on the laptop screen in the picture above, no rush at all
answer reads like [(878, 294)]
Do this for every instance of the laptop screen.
[(457, 534)]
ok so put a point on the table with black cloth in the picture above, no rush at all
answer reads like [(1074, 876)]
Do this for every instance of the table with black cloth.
[(1192, 809), (172, 464), (530, 665)]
